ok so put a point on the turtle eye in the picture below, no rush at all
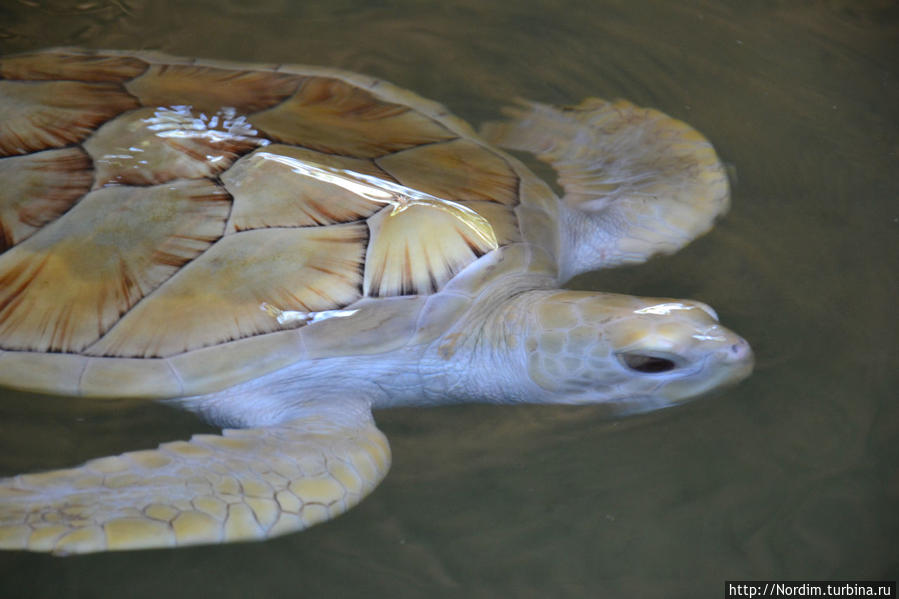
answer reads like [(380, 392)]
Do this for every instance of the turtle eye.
[(646, 364)]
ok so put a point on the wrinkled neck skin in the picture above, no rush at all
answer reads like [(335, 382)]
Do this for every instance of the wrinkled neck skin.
[(537, 346)]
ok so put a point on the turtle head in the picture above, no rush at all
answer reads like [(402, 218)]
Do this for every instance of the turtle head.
[(635, 354)]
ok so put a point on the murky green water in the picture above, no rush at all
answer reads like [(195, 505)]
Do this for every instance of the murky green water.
[(791, 475)]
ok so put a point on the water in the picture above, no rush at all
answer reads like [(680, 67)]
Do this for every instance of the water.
[(791, 475)]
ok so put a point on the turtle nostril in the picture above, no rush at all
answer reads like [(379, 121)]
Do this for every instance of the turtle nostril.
[(739, 350)]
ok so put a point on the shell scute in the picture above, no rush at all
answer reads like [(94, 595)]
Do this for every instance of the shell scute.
[(64, 286), (370, 326), (223, 294), (132, 378), (202, 208), (460, 170), (417, 249), (330, 115), (208, 89), (270, 188), (57, 372), (74, 66), (502, 220), (38, 188), (506, 260), (214, 368), (158, 144), (41, 115)]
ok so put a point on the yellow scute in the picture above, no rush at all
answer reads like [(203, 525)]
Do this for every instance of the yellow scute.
[(222, 295), (64, 286)]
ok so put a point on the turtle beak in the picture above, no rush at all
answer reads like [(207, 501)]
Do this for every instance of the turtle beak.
[(727, 365)]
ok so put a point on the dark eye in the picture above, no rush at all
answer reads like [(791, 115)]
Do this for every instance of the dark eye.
[(647, 364)]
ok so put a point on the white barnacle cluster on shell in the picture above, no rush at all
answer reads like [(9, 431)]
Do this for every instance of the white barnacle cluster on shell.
[(185, 122)]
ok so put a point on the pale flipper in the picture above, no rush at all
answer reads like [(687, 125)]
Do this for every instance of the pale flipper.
[(637, 182), (247, 484)]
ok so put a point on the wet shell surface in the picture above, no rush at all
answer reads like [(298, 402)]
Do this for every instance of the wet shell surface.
[(172, 227)]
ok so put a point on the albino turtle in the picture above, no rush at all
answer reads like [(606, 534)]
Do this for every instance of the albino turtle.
[(283, 248)]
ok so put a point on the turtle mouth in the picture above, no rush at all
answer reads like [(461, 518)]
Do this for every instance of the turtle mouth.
[(711, 373)]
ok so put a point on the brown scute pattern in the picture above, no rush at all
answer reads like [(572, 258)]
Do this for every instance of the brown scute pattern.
[(269, 192), (417, 250), (222, 295), (460, 170), (208, 89), (501, 218), (134, 150), (116, 240), (38, 188), (77, 67), (64, 286), (39, 116), (333, 116)]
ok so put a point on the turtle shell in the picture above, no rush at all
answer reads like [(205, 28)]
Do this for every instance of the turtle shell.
[(173, 227)]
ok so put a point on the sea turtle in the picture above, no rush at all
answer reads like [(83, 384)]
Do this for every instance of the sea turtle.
[(282, 248)]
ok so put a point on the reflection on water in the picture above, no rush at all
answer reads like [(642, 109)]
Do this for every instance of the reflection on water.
[(791, 475)]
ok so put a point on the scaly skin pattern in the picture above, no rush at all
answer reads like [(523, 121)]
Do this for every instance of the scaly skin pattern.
[(639, 353), (552, 346), (249, 484)]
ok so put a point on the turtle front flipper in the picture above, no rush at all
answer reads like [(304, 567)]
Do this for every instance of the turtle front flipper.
[(639, 181), (247, 484)]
